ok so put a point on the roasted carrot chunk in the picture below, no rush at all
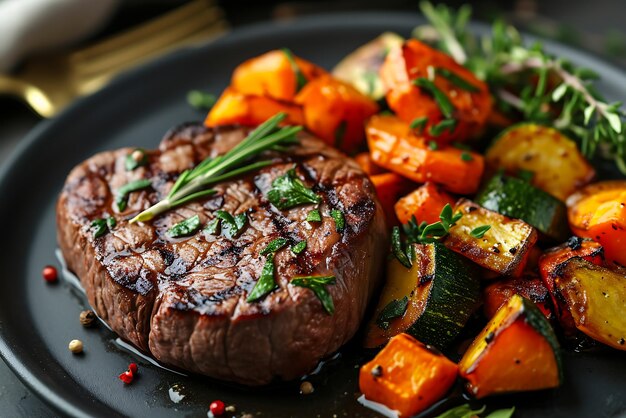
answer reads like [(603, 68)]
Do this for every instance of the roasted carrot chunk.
[(336, 112), (425, 203), (237, 108), (276, 74), (517, 351), (364, 160), (407, 376), (394, 146), (598, 211), (532, 288), (419, 78), (389, 187)]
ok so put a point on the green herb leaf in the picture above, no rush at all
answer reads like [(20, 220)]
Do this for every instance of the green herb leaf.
[(480, 231), (314, 216), (318, 285), (274, 246), (300, 78), (111, 222), (299, 247), (463, 411), (445, 105), (396, 248), (99, 227), (525, 175), (340, 220), (419, 123), (466, 156), (194, 184), (457, 80), (441, 127), (394, 309), (433, 145), (135, 159), (121, 198), (502, 413), (201, 100), (289, 191), (185, 228), (231, 226), (266, 283), (213, 226)]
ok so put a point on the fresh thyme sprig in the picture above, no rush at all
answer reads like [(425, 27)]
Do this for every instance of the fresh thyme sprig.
[(540, 87), (193, 184)]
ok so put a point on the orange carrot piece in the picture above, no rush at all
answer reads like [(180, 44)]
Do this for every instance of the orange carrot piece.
[(389, 187), (364, 160), (274, 75), (336, 112), (468, 95), (425, 203), (236, 108), (407, 376), (395, 147)]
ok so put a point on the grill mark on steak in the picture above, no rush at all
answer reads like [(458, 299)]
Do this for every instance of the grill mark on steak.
[(184, 299)]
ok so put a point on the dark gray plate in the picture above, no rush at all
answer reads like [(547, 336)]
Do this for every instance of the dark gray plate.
[(38, 320)]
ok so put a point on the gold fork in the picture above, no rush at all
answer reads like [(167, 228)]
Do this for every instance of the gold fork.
[(48, 83)]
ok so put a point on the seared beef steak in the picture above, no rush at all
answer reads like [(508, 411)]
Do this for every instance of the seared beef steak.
[(184, 299)]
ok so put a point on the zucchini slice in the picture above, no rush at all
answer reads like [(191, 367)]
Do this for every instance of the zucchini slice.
[(558, 166), (517, 351), (504, 248), (361, 67), (432, 300), (596, 299), (517, 198)]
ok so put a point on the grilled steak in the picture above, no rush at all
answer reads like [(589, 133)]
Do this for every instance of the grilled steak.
[(184, 299)]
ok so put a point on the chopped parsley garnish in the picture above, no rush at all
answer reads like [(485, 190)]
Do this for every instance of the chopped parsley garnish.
[(480, 231), (274, 246), (232, 225), (102, 226), (299, 247), (300, 78), (441, 127), (457, 80), (318, 285), (340, 220), (466, 156), (314, 216), (289, 191), (394, 309), (121, 197), (445, 105), (433, 145), (396, 247), (185, 228), (419, 123), (266, 282), (201, 100), (135, 159), (213, 226)]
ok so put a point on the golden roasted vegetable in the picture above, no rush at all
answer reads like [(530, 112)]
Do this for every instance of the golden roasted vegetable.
[(407, 376), (336, 112), (361, 67), (276, 74), (516, 352), (424, 203), (504, 248), (557, 165), (596, 299), (432, 300), (598, 211)]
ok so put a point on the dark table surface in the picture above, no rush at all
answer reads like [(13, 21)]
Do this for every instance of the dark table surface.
[(596, 26)]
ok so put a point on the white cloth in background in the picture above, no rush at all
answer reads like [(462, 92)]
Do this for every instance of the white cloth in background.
[(28, 26)]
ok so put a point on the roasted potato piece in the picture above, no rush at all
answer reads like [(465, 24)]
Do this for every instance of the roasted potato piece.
[(469, 99), (516, 352), (361, 68), (598, 211), (596, 299), (395, 147), (276, 74), (236, 108), (504, 248), (336, 112), (557, 165), (407, 376)]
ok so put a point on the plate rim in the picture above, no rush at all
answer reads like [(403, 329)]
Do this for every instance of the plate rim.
[(9, 353)]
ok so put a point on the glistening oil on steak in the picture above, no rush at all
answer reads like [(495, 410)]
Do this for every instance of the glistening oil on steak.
[(184, 299)]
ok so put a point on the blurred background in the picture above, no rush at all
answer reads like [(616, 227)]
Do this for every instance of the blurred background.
[(52, 51)]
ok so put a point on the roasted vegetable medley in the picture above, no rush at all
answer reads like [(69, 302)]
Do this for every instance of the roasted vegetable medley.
[(496, 219)]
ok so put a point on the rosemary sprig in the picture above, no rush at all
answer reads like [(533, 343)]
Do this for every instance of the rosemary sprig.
[(193, 184), (521, 79)]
